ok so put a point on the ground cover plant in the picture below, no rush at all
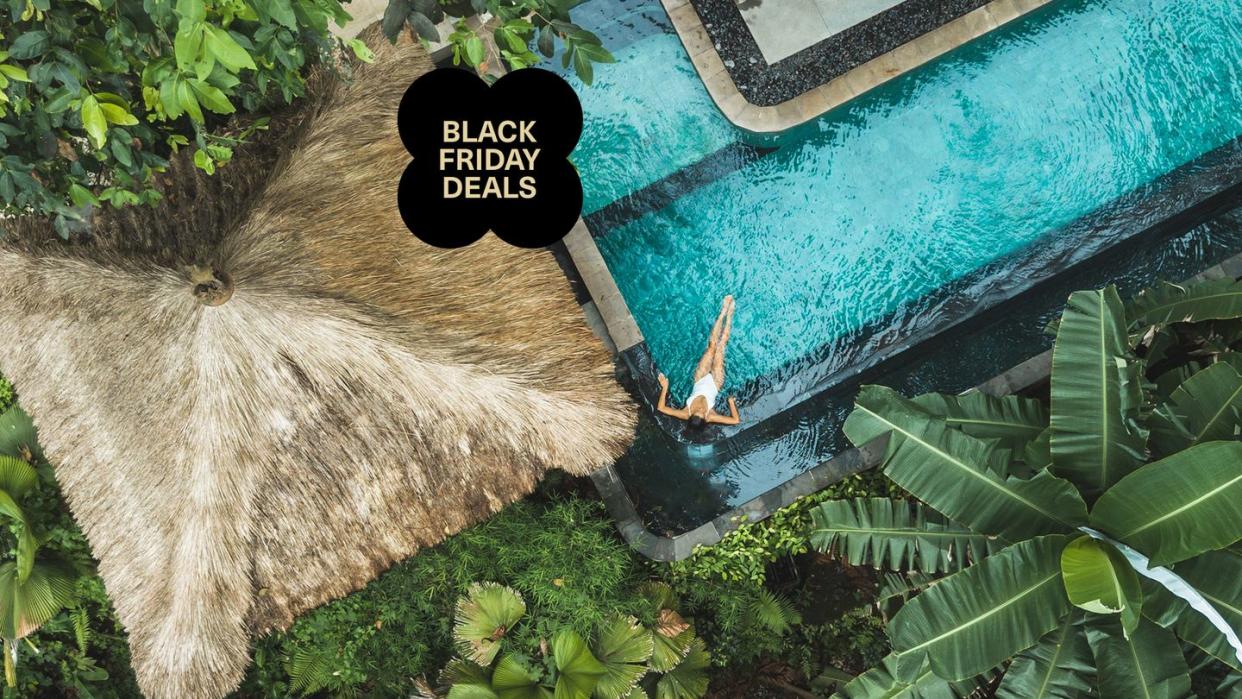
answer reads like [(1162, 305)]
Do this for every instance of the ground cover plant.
[(1041, 529)]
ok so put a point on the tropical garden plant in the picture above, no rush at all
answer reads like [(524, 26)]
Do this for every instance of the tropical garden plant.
[(95, 95), (1077, 546), (627, 659), (36, 584)]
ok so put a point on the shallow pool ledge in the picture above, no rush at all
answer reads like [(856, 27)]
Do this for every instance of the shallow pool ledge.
[(838, 91)]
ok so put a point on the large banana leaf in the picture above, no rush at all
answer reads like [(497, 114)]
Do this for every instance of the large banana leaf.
[(1014, 420), (1096, 394), (974, 620), (959, 475), (894, 534), (1147, 665), (1206, 407), (1100, 580), (881, 682), (1060, 666), (1217, 575), (1178, 507), (1172, 303)]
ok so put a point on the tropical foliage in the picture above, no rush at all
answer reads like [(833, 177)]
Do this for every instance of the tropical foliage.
[(1084, 541), (95, 95), (661, 657), (519, 25)]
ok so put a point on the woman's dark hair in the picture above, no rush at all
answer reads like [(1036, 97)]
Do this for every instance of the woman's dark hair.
[(697, 422)]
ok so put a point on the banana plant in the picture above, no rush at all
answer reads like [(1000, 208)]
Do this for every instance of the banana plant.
[(628, 660), (1075, 546), (35, 586)]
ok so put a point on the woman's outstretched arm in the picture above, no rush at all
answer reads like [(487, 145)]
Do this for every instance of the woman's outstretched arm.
[(731, 419), (662, 404)]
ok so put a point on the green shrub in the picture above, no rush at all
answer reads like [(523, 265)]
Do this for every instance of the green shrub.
[(95, 94), (563, 557), (744, 554)]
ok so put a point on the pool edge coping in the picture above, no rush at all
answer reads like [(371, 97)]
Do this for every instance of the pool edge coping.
[(657, 547), (809, 105)]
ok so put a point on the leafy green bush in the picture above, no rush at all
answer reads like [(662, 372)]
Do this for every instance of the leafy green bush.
[(744, 554), (95, 94), (563, 557)]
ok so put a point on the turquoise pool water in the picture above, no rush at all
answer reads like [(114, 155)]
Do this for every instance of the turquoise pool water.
[(865, 212)]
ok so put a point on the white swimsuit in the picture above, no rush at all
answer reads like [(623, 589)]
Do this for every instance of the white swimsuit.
[(707, 388)]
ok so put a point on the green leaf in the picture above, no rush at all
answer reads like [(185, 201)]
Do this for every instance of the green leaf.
[(579, 670), (191, 10), (623, 648), (881, 682), (18, 435), (81, 196), (546, 43), (484, 616), (596, 53), (1206, 407), (512, 679), (94, 122), (30, 45), (974, 620), (1216, 299), (959, 475), (895, 535), (362, 51), (689, 679), (117, 115), (211, 97), (1216, 575), (282, 12), (1096, 394), (1100, 580), (424, 27), (187, 44), (15, 73), (17, 477), (1060, 666), (475, 52), (226, 50), (394, 18), (467, 680), (185, 97), (1178, 507), (1012, 419), (582, 64), (25, 605), (1147, 665)]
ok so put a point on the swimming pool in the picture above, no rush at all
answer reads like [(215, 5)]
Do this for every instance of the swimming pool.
[(852, 223)]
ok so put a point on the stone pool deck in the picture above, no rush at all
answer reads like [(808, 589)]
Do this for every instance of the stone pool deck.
[(761, 119)]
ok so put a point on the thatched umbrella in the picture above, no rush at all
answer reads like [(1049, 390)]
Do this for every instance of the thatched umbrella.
[(263, 393)]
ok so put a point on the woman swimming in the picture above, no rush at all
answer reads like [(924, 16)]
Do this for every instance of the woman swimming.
[(708, 379)]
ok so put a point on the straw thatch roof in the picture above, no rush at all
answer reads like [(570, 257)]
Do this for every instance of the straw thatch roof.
[(358, 396)]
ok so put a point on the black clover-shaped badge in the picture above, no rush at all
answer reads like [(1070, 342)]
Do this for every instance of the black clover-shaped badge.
[(490, 158)]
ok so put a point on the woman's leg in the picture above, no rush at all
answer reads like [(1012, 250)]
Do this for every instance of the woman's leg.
[(713, 341), (718, 358)]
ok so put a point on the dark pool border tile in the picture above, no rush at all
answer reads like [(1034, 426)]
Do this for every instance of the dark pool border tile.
[(799, 108), (770, 84)]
